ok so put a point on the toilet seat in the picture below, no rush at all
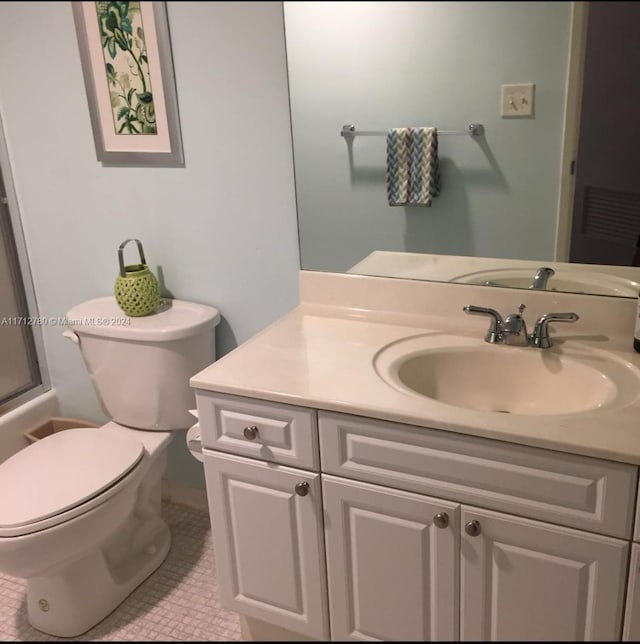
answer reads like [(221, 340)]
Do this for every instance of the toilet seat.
[(63, 476)]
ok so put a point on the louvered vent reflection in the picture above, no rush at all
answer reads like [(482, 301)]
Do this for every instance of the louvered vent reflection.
[(611, 214)]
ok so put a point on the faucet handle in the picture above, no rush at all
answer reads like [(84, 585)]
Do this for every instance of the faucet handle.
[(540, 336), (494, 334)]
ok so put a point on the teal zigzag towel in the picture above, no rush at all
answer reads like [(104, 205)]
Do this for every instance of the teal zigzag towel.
[(413, 173)]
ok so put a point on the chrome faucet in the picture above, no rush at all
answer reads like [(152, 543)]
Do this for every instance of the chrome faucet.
[(512, 330), (541, 277)]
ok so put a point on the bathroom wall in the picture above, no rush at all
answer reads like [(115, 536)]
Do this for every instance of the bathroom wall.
[(221, 230), (380, 65)]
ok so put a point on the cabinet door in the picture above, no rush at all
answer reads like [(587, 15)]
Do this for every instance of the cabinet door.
[(392, 572), (527, 580), (268, 541)]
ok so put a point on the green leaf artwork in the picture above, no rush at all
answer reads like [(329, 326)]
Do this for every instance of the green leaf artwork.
[(127, 67)]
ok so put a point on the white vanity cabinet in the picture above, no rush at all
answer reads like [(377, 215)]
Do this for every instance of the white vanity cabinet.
[(346, 527), (266, 515), (394, 559), (520, 577)]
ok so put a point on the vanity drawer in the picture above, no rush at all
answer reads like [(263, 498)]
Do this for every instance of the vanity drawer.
[(260, 429), (576, 491)]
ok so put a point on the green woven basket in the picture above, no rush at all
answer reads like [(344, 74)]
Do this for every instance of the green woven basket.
[(137, 291)]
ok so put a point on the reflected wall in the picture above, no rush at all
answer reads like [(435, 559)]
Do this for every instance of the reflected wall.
[(394, 64)]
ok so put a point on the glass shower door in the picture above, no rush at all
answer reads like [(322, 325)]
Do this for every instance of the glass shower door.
[(19, 370)]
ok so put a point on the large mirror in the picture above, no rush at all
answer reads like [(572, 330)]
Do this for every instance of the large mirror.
[(505, 212)]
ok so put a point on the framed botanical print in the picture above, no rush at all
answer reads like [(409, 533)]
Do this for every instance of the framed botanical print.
[(125, 51)]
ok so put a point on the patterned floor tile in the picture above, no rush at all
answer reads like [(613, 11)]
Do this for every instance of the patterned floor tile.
[(178, 602)]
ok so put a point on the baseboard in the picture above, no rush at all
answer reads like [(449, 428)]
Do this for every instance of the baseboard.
[(193, 497)]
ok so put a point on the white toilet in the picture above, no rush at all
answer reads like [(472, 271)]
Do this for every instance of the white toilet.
[(80, 513)]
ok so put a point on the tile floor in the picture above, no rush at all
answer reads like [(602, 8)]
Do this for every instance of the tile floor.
[(178, 602)]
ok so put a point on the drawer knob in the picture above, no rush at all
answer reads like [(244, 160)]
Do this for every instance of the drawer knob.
[(441, 520), (250, 432), (302, 489), (472, 528)]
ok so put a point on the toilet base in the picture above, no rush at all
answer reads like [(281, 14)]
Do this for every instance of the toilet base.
[(83, 593)]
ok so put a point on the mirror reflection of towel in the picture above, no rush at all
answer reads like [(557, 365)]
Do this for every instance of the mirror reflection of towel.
[(413, 173)]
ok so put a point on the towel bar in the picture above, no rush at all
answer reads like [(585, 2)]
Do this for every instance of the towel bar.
[(348, 129)]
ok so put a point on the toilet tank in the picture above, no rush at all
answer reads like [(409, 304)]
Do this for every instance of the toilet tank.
[(140, 366)]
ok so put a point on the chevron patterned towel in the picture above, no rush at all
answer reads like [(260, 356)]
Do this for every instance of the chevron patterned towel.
[(413, 174)]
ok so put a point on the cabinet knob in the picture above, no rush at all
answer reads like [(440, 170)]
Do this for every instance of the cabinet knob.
[(441, 520), (472, 528), (250, 433), (302, 489)]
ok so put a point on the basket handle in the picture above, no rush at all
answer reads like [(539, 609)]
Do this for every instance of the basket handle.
[(121, 254)]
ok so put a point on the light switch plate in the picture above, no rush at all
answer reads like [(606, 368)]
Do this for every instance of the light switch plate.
[(517, 100)]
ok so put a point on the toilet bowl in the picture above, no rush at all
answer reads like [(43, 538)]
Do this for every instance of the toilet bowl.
[(80, 510)]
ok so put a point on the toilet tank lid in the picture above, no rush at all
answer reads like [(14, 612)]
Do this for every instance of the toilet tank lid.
[(61, 472), (174, 320)]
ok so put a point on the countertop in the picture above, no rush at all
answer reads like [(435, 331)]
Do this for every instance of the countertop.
[(322, 354), (460, 268)]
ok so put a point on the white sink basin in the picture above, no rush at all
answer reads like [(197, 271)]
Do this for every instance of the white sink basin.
[(568, 281), (470, 373)]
